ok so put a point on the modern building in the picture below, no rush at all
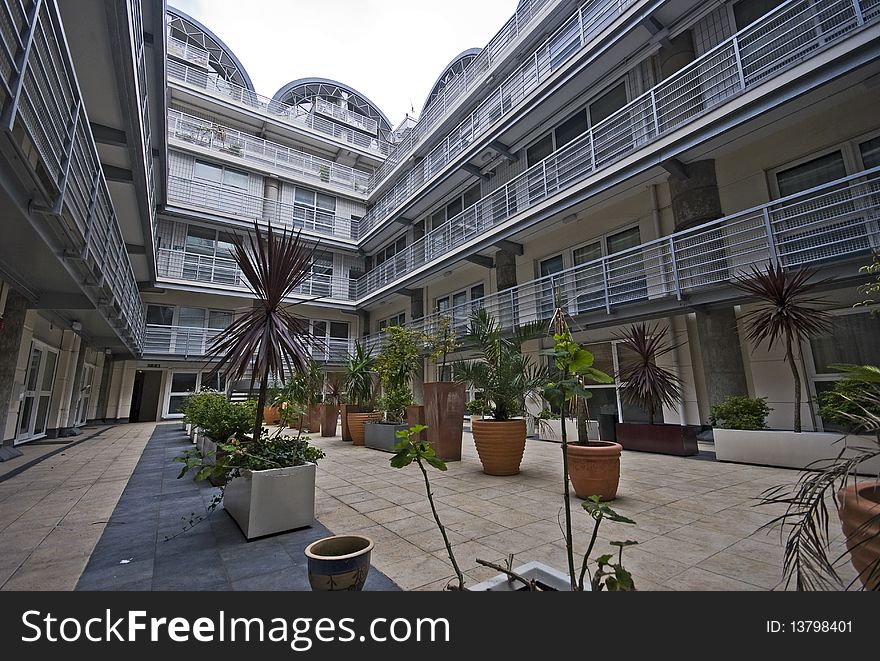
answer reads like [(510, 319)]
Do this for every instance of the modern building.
[(624, 157)]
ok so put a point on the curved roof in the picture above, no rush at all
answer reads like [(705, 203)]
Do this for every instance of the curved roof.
[(458, 64), (220, 56), (304, 90)]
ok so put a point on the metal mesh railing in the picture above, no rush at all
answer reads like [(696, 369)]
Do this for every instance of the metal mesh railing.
[(181, 265), (186, 51), (276, 110), (262, 153), (231, 201), (45, 120), (835, 221), (793, 31)]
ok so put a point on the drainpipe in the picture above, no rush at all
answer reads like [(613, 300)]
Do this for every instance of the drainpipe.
[(676, 351)]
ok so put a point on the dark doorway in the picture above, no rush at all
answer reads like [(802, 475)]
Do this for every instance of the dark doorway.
[(145, 396)]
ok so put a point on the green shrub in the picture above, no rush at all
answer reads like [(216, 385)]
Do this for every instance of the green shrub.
[(478, 407), (196, 406), (849, 399), (394, 402), (740, 412), (223, 419)]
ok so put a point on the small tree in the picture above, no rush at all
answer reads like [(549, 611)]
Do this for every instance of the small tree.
[(399, 360), (786, 311), (442, 342)]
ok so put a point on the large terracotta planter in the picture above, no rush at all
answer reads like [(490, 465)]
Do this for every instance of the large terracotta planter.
[(594, 469), (344, 410), (677, 440), (500, 445), (341, 562), (356, 422), (444, 415), (859, 509), (415, 415), (329, 419), (271, 415), (315, 419)]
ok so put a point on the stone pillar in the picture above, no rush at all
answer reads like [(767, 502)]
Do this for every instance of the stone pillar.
[(69, 428), (364, 316), (417, 311), (695, 200), (721, 353), (505, 278), (104, 390), (272, 193), (14, 315), (677, 53)]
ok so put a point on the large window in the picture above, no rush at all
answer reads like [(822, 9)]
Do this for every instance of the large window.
[(183, 383), (218, 174), (332, 337), (208, 256), (188, 330), (397, 320), (460, 305), (313, 210)]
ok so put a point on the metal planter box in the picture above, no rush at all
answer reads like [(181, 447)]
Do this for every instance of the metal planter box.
[(382, 436), (272, 501)]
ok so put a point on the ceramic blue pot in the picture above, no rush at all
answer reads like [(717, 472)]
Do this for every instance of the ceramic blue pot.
[(341, 562)]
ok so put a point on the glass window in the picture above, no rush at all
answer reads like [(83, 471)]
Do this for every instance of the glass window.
[(853, 339), (235, 179), (200, 240), (183, 382), (811, 174), (747, 12), (191, 317), (304, 196), (161, 315), (472, 195), (339, 330), (453, 208), (551, 265), (49, 371), (607, 104), (870, 152), (326, 202), (208, 172), (477, 291), (438, 218), (571, 128), (219, 318), (539, 150), (225, 246), (215, 381), (623, 240), (587, 253)]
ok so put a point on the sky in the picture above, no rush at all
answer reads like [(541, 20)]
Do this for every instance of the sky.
[(391, 51)]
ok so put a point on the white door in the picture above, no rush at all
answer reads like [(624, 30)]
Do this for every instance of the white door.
[(33, 413)]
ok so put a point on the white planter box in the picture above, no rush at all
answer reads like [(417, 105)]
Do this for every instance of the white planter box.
[(272, 501), (538, 571), (787, 449)]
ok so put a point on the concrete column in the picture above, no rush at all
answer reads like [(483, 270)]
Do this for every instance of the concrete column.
[(10, 341), (695, 200), (62, 390), (104, 389), (73, 404), (723, 369), (417, 311), (364, 316), (505, 269), (272, 193), (677, 53)]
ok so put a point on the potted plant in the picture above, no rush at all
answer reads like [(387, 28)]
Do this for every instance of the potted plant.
[(324, 171), (359, 375), (645, 383), (330, 408), (508, 380), (271, 412), (398, 361), (314, 384), (444, 400), (340, 562), (787, 313)]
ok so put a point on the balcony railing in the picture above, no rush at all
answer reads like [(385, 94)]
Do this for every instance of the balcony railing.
[(838, 220), (230, 201), (276, 110), (791, 33), (181, 265), (210, 135), (191, 342), (185, 51), (45, 120), (456, 88), (345, 116)]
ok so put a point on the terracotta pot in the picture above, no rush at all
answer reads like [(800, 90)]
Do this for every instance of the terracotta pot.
[(859, 503), (594, 469), (356, 422), (500, 445), (444, 415), (344, 410), (315, 419), (415, 415), (341, 562), (271, 415), (329, 419)]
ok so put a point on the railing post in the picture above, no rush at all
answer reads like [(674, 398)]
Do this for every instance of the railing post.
[(593, 165), (606, 286), (739, 65), (857, 7), (654, 113), (771, 239), (674, 262), (537, 70)]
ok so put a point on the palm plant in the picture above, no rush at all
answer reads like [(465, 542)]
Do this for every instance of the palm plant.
[(268, 338), (360, 367), (786, 311), (644, 382), (507, 377), (314, 378)]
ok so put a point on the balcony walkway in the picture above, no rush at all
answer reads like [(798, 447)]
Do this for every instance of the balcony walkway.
[(95, 515)]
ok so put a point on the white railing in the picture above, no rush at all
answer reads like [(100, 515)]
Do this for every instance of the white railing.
[(193, 342), (276, 110), (789, 34), (839, 220), (346, 116), (216, 137), (181, 265), (45, 121), (230, 201), (186, 51), (456, 88), (579, 30)]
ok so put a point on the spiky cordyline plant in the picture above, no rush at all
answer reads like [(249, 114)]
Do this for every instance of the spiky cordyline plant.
[(360, 369), (786, 311), (644, 382), (268, 337)]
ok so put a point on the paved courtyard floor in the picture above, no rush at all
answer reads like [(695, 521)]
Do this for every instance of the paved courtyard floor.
[(93, 514)]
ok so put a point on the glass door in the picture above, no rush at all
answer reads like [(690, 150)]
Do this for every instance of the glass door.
[(33, 413)]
